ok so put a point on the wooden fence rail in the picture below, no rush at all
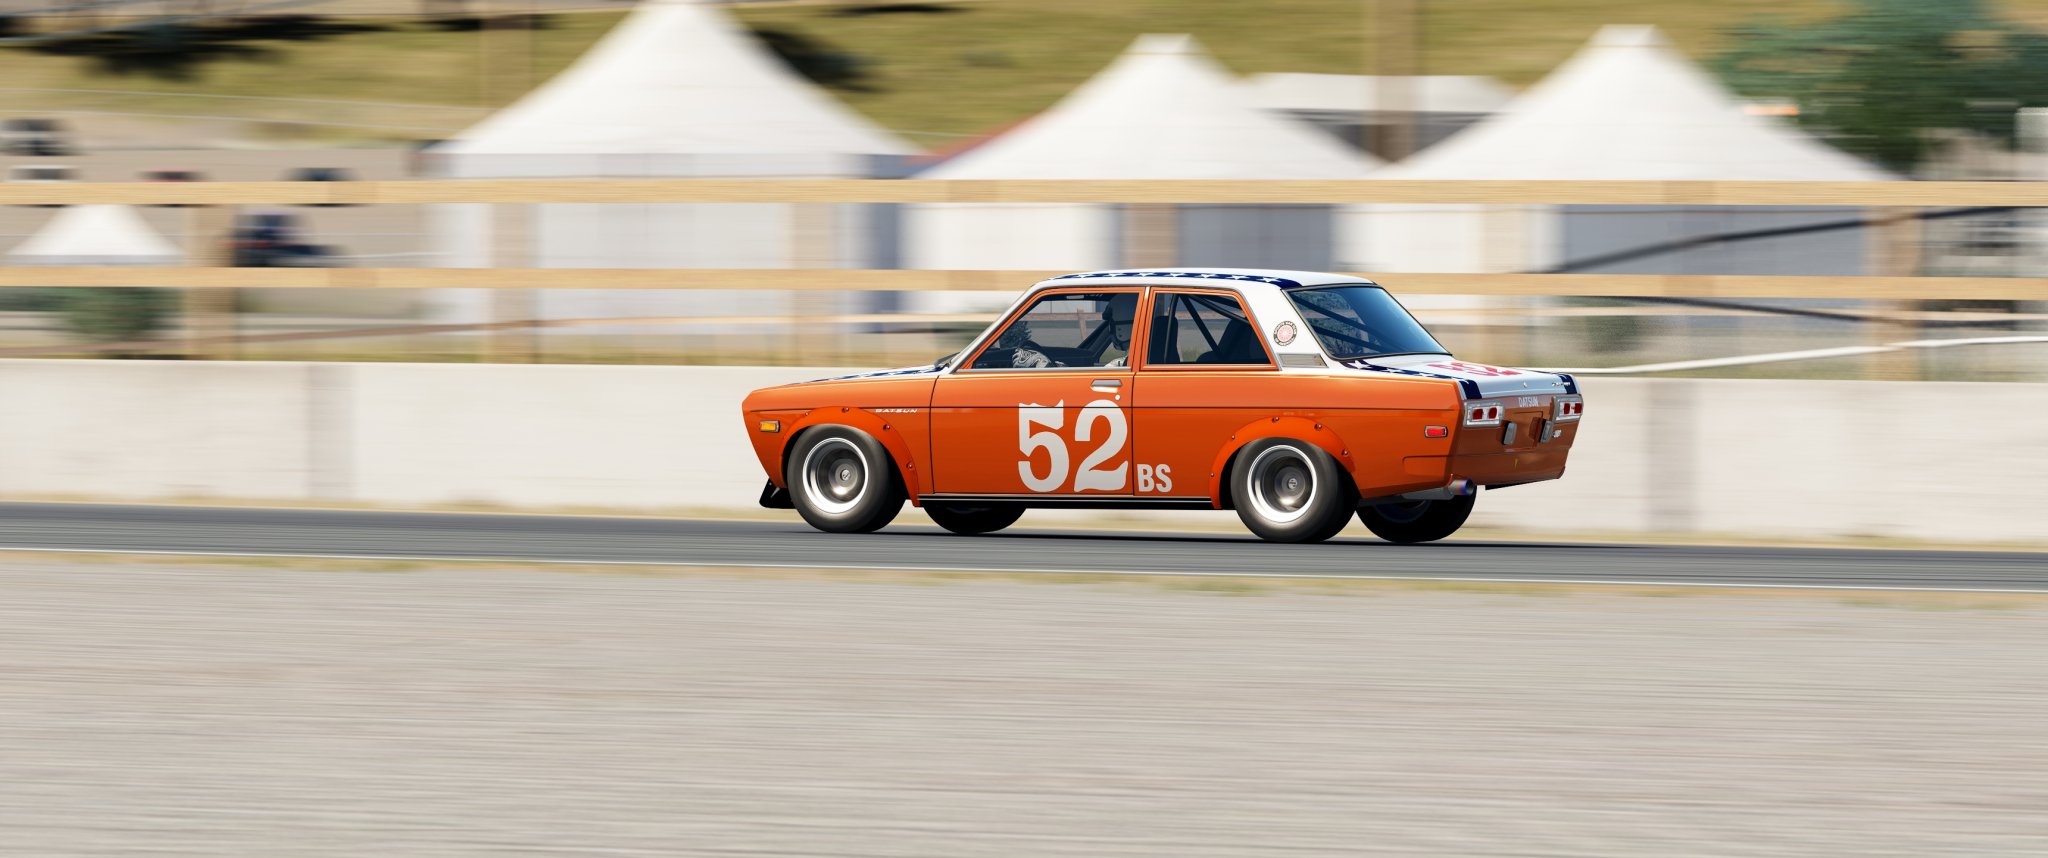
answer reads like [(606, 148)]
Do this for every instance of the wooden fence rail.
[(420, 192), (835, 280), (207, 284)]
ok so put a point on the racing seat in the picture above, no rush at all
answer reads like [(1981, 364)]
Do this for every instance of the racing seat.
[(1239, 344)]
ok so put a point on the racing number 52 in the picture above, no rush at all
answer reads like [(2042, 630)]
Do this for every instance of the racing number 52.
[(1092, 475)]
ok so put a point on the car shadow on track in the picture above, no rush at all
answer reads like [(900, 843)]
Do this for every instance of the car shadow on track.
[(1246, 539)]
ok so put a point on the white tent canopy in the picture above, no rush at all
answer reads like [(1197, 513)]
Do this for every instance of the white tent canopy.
[(96, 235), (1626, 107), (677, 88), (1162, 110), (1629, 106), (1297, 92)]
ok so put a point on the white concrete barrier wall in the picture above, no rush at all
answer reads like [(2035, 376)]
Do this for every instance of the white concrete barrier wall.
[(1921, 460), (1928, 461)]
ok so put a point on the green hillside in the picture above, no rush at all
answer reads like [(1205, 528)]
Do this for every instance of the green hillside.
[(931, 69)]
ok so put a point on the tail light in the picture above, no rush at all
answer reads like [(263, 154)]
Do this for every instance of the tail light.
[(1567, 408), (1484, 412)]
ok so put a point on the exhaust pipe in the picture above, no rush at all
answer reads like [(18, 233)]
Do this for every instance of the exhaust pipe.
[(1457, 488)]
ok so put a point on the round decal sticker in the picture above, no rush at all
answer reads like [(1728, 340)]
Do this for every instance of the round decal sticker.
[(1283, 333)]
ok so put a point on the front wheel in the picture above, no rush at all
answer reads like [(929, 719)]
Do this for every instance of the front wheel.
[(842, 480), (1416, 521), (1290, 491), (974, 520)]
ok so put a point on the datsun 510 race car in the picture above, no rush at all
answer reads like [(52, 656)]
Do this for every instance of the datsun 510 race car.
[(1296, 399)]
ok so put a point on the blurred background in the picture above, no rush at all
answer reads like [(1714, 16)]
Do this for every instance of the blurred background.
[(290, 288), (1813, 192), (1318, 90)]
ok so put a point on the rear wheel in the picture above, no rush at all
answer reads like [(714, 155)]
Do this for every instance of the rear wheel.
[(1416, 521), (1290, 491), (842, 480), (972, 520)]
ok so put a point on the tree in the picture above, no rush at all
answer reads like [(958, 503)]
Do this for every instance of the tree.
[(1879, 77), (111, 315)]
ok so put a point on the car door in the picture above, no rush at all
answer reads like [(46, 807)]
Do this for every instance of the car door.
[(1043, 408), (1206, 373)]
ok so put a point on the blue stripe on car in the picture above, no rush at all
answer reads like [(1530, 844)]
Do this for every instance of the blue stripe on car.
[(1281, 282)]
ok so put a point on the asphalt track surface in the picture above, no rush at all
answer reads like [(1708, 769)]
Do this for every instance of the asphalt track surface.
[(586, 539)]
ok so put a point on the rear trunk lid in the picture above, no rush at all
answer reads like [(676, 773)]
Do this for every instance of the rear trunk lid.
[(1476, 380)]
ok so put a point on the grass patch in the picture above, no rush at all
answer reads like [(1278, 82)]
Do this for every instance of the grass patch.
[(994, 62), (426, 79)]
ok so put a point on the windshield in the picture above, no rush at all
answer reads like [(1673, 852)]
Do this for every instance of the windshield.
[(1355, 320)]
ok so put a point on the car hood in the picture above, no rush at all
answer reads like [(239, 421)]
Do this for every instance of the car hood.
[(927, 369), (1477, 380)]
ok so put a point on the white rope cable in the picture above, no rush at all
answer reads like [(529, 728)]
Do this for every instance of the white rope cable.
[(1788, 357)]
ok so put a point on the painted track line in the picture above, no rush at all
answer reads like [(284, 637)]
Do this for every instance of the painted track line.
[(644, 541), (1129, 573)]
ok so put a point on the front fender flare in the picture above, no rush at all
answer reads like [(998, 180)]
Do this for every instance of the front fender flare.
[(1297, 428), (873, 424)]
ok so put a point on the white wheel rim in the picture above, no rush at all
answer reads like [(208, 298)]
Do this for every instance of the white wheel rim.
[(835, 475), (1282, 483)]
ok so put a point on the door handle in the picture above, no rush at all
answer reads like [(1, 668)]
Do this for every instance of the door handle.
[(1108, 382)]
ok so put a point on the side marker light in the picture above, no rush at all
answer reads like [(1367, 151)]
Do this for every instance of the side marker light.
[(1436, 431), (771, 426)]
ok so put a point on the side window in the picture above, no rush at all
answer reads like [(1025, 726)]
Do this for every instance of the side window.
[(1202, 328), (1091, 329)]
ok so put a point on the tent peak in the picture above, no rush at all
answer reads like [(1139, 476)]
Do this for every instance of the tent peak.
[(680, 80), (1630, 36), (1164, 109), (1629, 106), (1165, 43), (96, 234)]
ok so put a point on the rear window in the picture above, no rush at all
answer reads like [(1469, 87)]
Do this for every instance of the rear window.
[(1357, 320)]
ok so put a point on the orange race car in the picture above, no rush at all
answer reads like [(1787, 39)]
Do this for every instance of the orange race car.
[(1296, 399)]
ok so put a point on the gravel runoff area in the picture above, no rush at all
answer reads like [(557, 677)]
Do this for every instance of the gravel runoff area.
[(379, 709)]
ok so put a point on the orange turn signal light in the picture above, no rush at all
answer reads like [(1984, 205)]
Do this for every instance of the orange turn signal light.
[(771, 426), (1436, 431)]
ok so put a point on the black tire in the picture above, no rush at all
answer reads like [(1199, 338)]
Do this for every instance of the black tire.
[(842, 480), (1419, 521), (974, 520), (1290, 491)]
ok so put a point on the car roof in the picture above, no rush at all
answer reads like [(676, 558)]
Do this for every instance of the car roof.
[(1238, 278)]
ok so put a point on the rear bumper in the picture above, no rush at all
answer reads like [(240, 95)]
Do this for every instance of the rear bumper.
[(1507, 468)]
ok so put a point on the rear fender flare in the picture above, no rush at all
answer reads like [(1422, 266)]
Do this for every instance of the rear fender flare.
[(873, 424), (1296, 428)]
